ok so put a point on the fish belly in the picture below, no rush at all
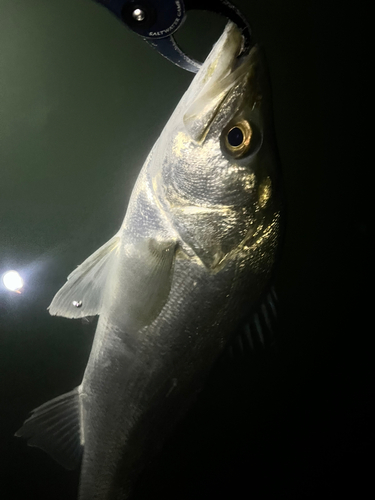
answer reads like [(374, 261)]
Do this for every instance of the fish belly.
[(137, 386)]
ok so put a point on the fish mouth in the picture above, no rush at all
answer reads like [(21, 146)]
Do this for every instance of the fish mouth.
[(224, 56), (224, 66), (222, 72), (222, 61)]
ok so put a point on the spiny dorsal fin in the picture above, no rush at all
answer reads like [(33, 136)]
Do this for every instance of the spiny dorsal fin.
[(259, 330), (82, 294), (55, 427)]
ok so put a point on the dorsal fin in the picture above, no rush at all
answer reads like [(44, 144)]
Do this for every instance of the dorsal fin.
[(259, 330)]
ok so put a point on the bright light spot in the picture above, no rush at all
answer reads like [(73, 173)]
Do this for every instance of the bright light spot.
[(12, 281)]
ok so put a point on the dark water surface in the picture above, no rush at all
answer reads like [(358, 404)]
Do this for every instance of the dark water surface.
[(82, 101)]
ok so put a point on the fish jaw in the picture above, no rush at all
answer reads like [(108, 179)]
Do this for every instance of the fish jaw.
[(218, 65)]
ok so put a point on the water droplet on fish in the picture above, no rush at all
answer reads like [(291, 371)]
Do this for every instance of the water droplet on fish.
[(77, 303)]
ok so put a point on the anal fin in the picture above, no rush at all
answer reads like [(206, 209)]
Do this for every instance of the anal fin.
[(55, 427)]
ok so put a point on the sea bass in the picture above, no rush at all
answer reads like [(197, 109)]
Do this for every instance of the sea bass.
[(195, 252)]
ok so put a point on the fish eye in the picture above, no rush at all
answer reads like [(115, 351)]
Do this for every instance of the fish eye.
[(238, 138), (235, 137)]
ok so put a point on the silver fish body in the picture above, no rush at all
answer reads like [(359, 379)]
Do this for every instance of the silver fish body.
[(196, 250)]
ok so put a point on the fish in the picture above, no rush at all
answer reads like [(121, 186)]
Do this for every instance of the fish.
[(195, 253)]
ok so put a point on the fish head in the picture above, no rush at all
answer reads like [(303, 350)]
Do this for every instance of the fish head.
[(217, 160)]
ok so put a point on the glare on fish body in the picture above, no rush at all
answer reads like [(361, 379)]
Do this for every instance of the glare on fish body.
[(12, 281)]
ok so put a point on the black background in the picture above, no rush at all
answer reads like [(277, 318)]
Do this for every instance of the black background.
[(82, 100)]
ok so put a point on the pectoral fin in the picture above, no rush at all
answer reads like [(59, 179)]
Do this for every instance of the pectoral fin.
[(145, 279), (82, 294)]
